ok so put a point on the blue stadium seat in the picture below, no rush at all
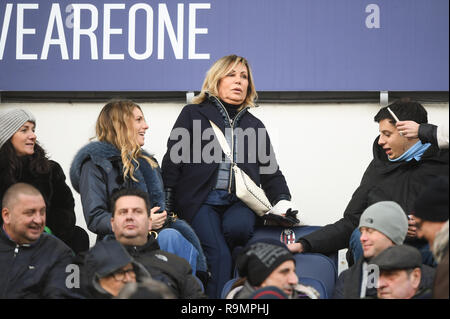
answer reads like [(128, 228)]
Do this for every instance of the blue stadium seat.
[(227, 288), (317, 267)]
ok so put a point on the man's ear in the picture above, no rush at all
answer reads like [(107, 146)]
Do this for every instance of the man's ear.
[(6, 214), (416, 275), (112, 223)]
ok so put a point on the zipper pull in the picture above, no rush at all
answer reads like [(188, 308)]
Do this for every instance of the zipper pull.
[(16, 250)]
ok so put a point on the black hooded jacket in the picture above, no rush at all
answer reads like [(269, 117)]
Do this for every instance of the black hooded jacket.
[(106, 257), (168, 268), (383, 180)]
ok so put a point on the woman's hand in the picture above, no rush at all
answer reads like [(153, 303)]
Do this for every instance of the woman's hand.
[(412, 229), (295, 248), (158, 219), (408, 129)]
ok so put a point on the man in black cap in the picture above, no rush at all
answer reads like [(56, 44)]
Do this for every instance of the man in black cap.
[(400, 273), (267, 271), (431, 215)]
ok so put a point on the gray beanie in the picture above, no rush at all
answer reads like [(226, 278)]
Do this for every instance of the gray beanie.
[(388, 218), (11, 121)]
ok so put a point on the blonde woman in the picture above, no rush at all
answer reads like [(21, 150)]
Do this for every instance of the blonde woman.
[(199, 180), (115, 161)]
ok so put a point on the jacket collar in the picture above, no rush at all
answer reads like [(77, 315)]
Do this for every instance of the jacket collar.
[(150, 245), (385, 166), (7, 240), (102, 154), (212, 109)]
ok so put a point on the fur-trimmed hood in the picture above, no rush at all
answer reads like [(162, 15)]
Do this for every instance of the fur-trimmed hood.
[(440, 245), (102, 154)]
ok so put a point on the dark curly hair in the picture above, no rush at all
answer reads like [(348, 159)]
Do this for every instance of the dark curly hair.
[(12, 166)]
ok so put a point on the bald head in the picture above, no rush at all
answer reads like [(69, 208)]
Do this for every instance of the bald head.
[(23, 213), (12, 194)]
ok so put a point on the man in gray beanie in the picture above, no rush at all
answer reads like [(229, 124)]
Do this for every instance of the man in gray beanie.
[(382, 225), (11, 121)]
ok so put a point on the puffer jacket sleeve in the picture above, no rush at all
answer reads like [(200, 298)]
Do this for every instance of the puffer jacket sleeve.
[(94, 198), (61, 216), (428, 133), (436, 135)]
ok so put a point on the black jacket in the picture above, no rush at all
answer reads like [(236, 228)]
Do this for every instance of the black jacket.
[(192, 180), (168, 268), (37, 270), (383, 180), (60, 213), (348, 285), (104, 258)]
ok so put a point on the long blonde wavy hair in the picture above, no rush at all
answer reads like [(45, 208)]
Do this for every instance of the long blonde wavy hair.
[(115, 126), (217, 71)]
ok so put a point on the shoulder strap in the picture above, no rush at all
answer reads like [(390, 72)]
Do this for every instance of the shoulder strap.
[(222, 140)]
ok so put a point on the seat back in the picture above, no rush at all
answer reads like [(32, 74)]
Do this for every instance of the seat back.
[(227, 288), (308, 265), (318, 267)]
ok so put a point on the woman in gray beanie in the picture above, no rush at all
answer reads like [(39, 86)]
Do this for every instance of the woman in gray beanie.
[(22, 159)]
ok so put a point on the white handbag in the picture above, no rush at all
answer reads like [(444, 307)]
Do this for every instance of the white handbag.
[(246, 190)]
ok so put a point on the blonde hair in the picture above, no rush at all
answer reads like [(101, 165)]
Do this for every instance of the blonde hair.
[(115, 126), (219, 70)]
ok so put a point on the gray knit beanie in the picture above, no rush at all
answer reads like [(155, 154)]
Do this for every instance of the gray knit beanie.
[(388, 218), (11, 121)]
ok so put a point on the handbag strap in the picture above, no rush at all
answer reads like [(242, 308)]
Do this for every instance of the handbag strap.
[(222, 141)]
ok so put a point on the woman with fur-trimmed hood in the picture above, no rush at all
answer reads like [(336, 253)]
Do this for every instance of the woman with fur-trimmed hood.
[(115, 161)]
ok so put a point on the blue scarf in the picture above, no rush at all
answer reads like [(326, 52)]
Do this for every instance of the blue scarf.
[(415, 152)]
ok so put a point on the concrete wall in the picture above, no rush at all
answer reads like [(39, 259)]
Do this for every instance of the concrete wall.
[(323, 149)]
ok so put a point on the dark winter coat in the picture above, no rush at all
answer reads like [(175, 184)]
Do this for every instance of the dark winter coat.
[(348, 285), (193, 179), (383, 180), (168, 268), (104, 258), (96, 173), (36, 270), (60, 213)]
